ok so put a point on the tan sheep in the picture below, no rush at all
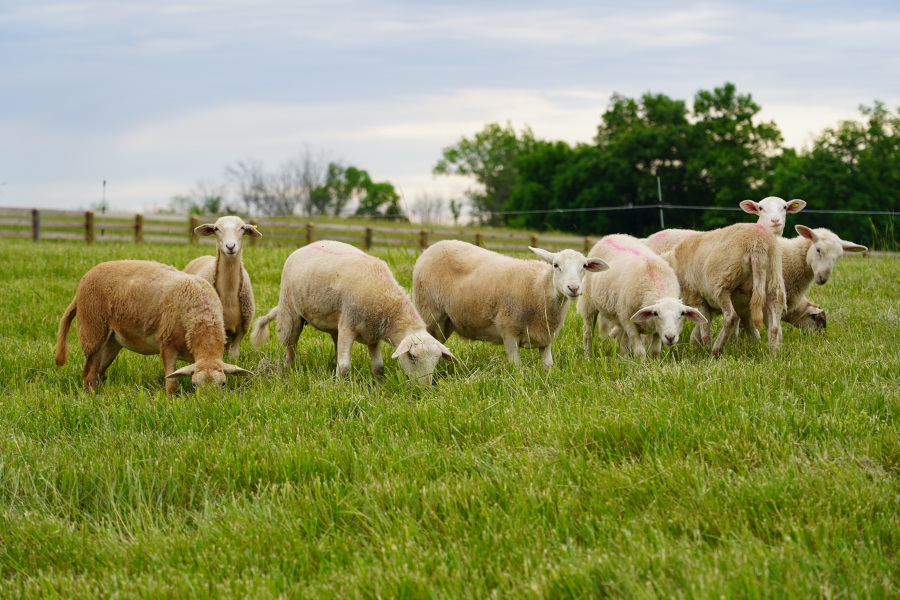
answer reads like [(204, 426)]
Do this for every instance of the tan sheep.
[(482, 295), (148, 308), (714, 266), (343, 291), (807, 258), (226, 272), (637, 299)]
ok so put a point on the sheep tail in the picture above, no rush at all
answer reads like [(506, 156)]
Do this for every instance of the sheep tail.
[(62, 336), (259, 335), (759, 265)]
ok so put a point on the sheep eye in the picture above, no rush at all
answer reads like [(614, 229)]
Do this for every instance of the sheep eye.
[(655, 313), (683, 314), (818, 251), (555, 266)]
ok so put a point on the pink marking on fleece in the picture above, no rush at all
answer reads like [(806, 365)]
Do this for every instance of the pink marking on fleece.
[(660, 284), (763, 227), (361, 254), (637, 252)]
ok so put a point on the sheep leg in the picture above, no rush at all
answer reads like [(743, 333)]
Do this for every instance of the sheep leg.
[(289, 329), (343, 345), (746, 326), (441, 329), (773, 323), (93, 339), (730, 323), (702, 333), (511, 345), (546, 356), (635, 342), (108, 353), (90, 372), (655, 345), (587, 330), (377, 360), (170, 359)]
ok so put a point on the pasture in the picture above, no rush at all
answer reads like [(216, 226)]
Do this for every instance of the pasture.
[(744, 476)]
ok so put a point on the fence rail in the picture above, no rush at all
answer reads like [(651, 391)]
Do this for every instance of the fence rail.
[(55, 224)]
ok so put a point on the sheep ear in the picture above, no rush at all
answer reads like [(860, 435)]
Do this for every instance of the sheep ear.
[(596, 265), (694, 315), (543, 254), (750, 206), (796, 205), (643, 314), (806, 232), (187, 371), (251, 231), (405, 343), (445, 353), (236, 370), (851, 247), (206, 229)]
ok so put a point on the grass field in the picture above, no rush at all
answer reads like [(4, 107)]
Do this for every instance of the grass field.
[(745, 476)]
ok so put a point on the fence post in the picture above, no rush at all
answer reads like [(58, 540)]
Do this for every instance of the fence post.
[(587, 244), (195, 223), (478, 238), (255, 223), (35, 225), (310, 233), (534, 241), (89, 227), (423, 240), (138, 228), (367, 238)]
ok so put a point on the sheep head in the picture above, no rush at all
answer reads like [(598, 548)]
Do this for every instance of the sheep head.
[(569, 267), (229, 232), (773, 211), (824, 251), (418, 354), (669, 314)]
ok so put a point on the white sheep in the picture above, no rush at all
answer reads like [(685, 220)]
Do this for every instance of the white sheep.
[(343, 291), (638, 298), (713, 266), (482, 295), (148, 308), (772, 211), (808, 258), (226, 272)]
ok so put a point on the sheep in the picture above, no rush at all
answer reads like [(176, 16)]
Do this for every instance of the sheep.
[(226, 272), (639, 296), (772, 212), (148, 308), (714, 266), (343, 291), (807, 258), (483, 295)]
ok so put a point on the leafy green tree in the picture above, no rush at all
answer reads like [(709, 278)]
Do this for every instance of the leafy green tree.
[(489, 157)]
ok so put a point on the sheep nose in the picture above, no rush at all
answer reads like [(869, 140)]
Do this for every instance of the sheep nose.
[(229, 247), (575, 289), (670, 339)]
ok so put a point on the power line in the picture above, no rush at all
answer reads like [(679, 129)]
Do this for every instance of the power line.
[(671, 207)]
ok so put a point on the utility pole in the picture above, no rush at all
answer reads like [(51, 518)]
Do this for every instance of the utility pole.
[(662, 223), (103, 212)]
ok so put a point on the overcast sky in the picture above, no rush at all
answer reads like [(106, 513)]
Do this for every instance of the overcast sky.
[(156, 97)]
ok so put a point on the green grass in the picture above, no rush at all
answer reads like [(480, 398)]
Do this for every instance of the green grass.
[(745, 476)]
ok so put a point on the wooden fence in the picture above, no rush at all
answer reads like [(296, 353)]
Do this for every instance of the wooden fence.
[(120, 227)]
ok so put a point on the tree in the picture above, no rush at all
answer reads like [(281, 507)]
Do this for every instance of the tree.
[(489, 157)]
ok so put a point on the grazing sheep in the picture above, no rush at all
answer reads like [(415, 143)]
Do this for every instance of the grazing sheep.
[(773, 211), (226, 272), (148, 308), (343, 291), (807, 258), (714, 266), (639, 296), (483, 295)]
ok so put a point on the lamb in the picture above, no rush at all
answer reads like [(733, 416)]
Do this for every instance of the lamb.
[(483, 295), (148, 308), (341, 290), (807, 258), (638, 298), (714, 266), (772, 212), (226, 272)]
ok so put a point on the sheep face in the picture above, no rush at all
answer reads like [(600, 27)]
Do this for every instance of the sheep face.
[(419, 354), (669, 316), (569, 267), (229, 232), (825, 250), (208, 373), (773, 211)]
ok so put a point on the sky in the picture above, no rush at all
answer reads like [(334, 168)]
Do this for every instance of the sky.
[(158, 98)]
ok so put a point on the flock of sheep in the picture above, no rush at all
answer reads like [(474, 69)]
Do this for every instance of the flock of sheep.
[(636, 291)]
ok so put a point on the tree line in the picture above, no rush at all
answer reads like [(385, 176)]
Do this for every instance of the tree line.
[(713, 153)]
